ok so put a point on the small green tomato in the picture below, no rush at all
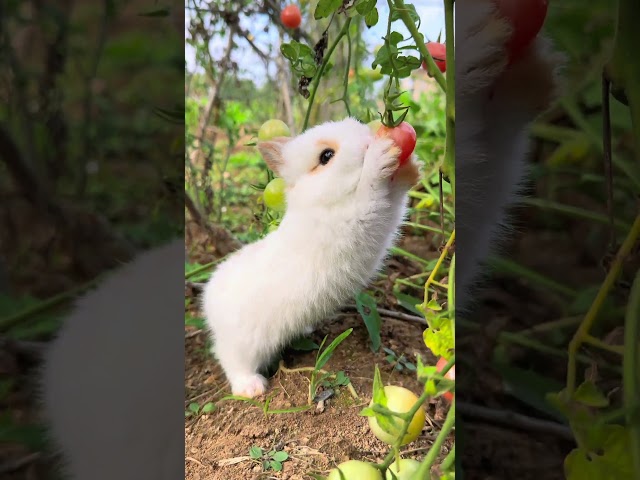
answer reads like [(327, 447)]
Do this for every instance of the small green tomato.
[(355, 470), (399, 400), (273, 128), (408, 467), (274, 196)]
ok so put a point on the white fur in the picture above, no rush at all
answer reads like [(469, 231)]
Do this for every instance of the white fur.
[(495, 105), (108, 378), (339, 224)]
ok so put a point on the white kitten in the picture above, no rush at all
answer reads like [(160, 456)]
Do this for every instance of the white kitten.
[(341, 219), (495, 104)]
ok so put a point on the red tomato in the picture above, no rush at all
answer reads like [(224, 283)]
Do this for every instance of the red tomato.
[(526, 18), (451, 375), (404, 136), (291, 16), (438, 52)]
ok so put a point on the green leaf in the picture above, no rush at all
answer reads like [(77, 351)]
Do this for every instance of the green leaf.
[(365, 6), (326, 355), (530, 387), (611, 461), (367, 412), (208, 407), (304, 344), (194, 407), (371, 18), (379, 396), (255, 452), (395, 14), (439, 341), (280, 456), (588, 394), (275, 465), (408, 302), (368, 309), (326, 8), (289, 52)]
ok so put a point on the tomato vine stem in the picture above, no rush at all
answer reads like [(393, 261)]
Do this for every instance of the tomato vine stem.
[(316, 79)]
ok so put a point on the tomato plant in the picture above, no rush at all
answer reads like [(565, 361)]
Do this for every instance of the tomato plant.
[(404, 469), (399, 400), (355, 470), (404, 136), (291, 16), (273, 128), (438, 51), (274, 196), (526, 18), (451, 375)]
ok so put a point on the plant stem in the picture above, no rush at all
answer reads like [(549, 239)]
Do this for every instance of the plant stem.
[(316, 80), (630, 376), (408, 416), (592, 314), (449, 165), (448, 425), (443, 255), (433, 70)]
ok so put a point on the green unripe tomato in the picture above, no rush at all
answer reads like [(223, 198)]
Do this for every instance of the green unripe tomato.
[(355, 470), (274, 196), (273, 128), (408, 468), (373, 75), (399, 400)]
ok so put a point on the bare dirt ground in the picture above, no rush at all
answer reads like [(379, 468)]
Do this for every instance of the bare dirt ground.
[(217, 444)]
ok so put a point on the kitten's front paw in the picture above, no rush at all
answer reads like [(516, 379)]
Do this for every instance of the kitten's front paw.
[(381, 160), (249, 386), (481, 55)]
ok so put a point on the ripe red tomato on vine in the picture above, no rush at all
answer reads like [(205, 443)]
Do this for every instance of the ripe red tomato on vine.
[(451, 375), (404, 136), (439, 53), (291, 16)]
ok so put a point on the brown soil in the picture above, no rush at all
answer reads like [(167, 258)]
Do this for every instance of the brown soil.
[(217, 445)]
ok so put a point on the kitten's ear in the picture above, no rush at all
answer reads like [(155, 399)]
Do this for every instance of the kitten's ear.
[(271, 151)]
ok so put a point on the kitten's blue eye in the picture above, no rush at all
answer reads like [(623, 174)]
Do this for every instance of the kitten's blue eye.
[(326, 155)]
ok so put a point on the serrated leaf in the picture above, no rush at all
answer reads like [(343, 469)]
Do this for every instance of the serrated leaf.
[(255, 453), (368, 309), (326, 8), (588, 394), (280, 456)]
